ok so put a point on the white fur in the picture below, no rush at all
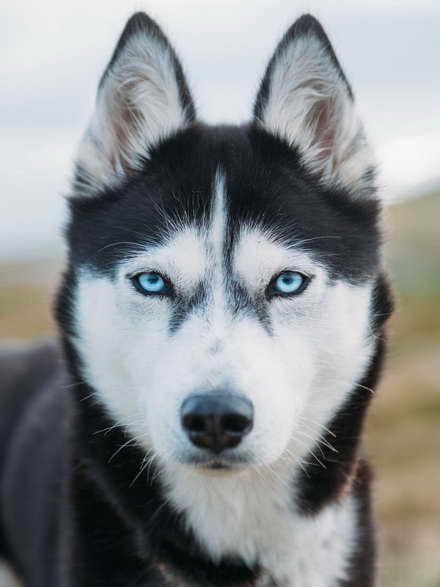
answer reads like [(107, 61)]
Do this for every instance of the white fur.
[(297, 378), (320, 343), (137, 106), (251, 514), (309, 106), (215, 237)]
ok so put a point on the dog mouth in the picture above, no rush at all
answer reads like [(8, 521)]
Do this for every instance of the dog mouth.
[(216, 466), (216, 463)]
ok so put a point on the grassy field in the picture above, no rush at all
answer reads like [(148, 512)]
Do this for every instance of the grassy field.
[(403, 436)]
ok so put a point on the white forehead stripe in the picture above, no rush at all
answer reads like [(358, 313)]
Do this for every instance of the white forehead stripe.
[(217, 229), (215, 242)]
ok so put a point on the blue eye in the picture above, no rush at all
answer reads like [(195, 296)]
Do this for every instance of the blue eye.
[(289, 283), (150, 283)]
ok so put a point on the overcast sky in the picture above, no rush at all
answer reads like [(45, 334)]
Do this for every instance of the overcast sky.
[(52, 54)]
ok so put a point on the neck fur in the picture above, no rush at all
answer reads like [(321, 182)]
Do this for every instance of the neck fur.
[(251, 515)]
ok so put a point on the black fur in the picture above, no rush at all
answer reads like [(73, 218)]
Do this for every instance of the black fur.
[(74, 514), (265, 183), (363, 563)]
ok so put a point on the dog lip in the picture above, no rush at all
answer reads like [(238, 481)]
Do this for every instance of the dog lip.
[(217, 465), (214, 463), (218, 468)]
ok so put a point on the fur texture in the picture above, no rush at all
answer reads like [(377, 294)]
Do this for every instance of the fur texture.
[(93, 450)]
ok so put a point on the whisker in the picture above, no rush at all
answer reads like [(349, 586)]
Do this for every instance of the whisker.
[(129, 442), (136, 246), (143, 466)]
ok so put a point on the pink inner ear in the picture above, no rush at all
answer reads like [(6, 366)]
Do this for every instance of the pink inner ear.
[(322, 122), (125, 118)]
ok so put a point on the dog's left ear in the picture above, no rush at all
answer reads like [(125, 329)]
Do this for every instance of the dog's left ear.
[(143, 98), (306, 100)]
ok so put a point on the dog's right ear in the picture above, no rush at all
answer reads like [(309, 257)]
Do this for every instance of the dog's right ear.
[(305, 100), (143, 98)]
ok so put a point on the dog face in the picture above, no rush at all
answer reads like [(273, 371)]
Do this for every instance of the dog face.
[(221, 278)]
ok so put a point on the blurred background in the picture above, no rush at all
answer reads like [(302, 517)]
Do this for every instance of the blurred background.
[(52, 54)]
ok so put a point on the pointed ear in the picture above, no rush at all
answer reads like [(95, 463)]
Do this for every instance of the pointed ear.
[(306, 100), (142, 98)]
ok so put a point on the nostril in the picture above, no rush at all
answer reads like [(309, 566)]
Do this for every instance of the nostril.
[(195, 423), (235, 424)]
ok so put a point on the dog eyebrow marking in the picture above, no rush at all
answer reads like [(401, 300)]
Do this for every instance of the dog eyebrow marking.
[(227, 292), (218, 290), (212, 286)]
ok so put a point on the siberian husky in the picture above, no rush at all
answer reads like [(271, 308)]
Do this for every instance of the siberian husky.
[(221, 322)]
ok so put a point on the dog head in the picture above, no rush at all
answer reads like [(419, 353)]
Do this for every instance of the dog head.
[(221, 278)]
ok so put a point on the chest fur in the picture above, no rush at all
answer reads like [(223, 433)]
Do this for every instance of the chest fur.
[(254, 520)]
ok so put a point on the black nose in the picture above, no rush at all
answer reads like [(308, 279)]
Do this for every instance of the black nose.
[(217, 421)]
